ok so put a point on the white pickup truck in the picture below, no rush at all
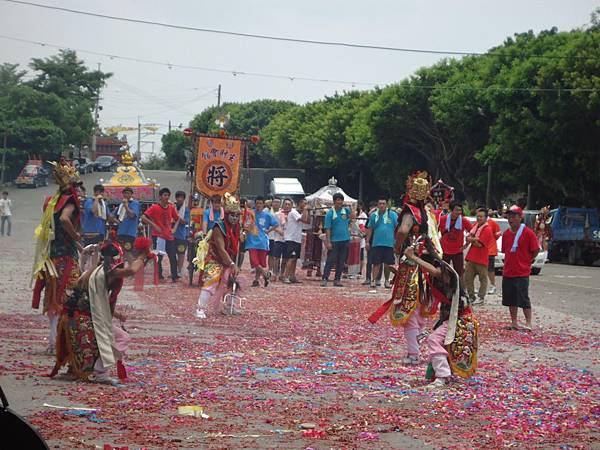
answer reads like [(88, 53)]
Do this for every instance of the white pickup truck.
[(537, 265)]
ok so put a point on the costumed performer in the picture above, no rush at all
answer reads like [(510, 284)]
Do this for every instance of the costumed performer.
[(453, 343), (55, 266), (87, 339), (542, 227), (216, 256), (411, 299)]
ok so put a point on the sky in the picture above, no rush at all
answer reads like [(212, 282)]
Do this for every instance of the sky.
[(157, 94)]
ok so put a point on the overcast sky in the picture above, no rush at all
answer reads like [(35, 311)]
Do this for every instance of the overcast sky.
[(159, 93)]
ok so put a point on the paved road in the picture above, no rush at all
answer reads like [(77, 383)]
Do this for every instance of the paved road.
[(559, 290), (569, 289)]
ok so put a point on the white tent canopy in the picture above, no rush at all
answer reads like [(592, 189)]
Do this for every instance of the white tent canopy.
[(323, 198)]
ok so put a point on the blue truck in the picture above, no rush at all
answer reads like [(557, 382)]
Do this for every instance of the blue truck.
[(575, 235)]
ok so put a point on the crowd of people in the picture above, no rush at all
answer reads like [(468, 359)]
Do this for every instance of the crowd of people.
[(428, 257)]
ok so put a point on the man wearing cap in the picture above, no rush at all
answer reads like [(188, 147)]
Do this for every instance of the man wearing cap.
[(520, 247)]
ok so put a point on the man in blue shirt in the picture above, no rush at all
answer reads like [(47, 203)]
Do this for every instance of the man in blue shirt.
[(257, 240), (93, 222), (181, 229), (212, 214), (337, 222), (381, 227), (128, 216)]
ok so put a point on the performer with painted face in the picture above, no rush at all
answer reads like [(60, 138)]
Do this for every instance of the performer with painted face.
[(411, 301), (453, 343), (87, 339), (216, 256), (56, 267)]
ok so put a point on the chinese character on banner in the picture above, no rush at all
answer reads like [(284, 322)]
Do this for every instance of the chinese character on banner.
[(218, 167)]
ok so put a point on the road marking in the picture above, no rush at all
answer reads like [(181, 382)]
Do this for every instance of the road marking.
[(572, 276), (568, 284)]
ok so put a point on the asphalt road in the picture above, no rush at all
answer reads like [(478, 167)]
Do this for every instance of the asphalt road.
[(560, 292)]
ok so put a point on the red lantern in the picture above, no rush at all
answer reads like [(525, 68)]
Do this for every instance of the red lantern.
[(222, 132), (255, 139), (188, 132)]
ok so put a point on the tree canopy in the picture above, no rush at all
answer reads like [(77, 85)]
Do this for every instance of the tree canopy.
[(43, 116), (530, 108)]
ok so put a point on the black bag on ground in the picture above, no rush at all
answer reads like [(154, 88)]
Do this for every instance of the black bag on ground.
[(22, 435)]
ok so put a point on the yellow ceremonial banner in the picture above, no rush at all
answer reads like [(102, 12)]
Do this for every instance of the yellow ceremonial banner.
[(218, 165)]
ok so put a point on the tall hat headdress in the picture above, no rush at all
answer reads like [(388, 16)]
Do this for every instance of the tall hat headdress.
[(418, 186), (230, 203), (65, 174)]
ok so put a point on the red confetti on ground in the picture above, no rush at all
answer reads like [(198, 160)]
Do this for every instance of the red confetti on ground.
[(304, 354)]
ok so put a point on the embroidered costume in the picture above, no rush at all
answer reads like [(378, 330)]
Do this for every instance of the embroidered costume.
[(209, 258), (55, 267), (453, 344), (88, 341), (411, 300)]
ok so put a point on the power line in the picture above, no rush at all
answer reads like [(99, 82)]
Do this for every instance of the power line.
[(283, 38), (235, 73)]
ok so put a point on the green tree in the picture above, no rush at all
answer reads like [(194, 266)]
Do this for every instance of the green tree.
[(245, 119), (10, 76), (51, 111), (174, 145), (67, 76)]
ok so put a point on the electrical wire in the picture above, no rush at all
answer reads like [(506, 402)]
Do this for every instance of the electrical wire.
[(282, 38), (235, 73), (354, 84)]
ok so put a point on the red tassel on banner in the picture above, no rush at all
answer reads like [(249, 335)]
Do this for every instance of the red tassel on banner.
[(373, 318), (37, 293), (121, 371), (138, 281)]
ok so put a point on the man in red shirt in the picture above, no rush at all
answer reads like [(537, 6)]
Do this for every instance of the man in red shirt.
[(520, 247), (479, 238), (453, 227), (493, 252), (161, 217)]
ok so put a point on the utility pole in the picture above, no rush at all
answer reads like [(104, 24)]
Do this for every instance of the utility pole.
[(219, 97), (96, 115), (139, 141), (488, 190), (169, 126), (4, 155)]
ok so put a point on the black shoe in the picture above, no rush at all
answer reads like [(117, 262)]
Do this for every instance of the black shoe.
[(160, 277), (337, 283), (255, 283)]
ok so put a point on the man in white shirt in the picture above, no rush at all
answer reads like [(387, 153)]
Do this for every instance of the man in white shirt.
[(292, 235), (276, 239), (5, 213)]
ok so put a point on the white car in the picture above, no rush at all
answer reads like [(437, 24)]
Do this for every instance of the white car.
[(537, 265)]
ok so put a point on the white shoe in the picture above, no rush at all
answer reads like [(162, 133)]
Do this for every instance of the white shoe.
[(492, 290), (410, 360), (478, 302), (439, 383), (102, 378), (200, 314)]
